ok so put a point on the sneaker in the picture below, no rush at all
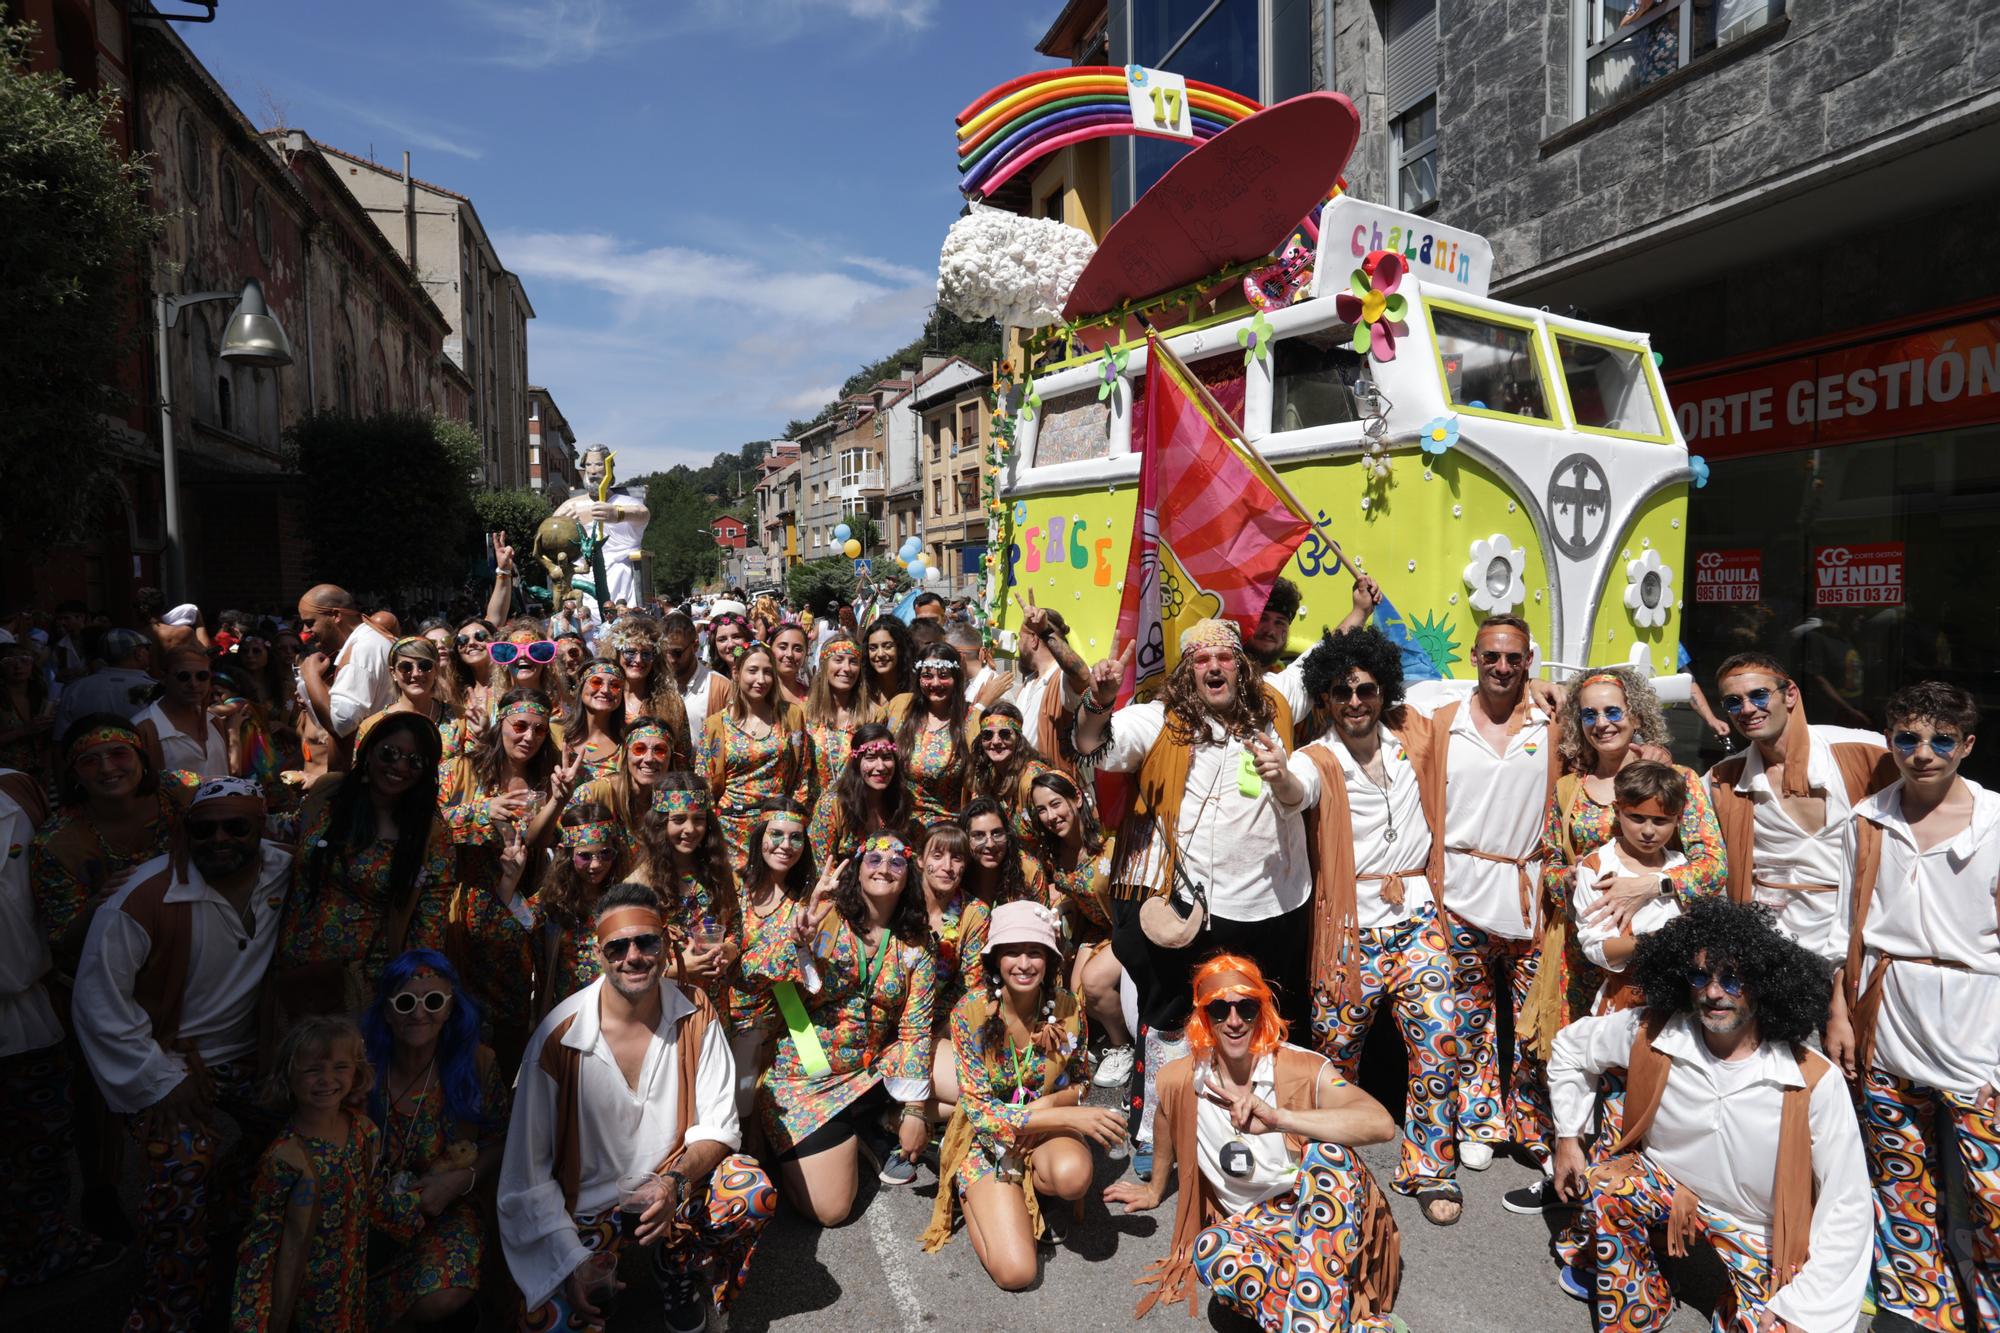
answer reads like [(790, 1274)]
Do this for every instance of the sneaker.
[(1114, 1068), (1474, 1155), (897, 1169), (1575, 1284), (1534, 1200), (1142, 1160), (685, 1304)]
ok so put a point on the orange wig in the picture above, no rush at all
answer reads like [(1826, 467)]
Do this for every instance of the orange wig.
[(1229, 976)]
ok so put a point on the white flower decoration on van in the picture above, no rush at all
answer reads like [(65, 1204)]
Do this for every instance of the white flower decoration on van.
[(1494, 575), (1649, 590)]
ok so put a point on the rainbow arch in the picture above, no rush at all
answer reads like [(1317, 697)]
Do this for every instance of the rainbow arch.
[(1025, 118)]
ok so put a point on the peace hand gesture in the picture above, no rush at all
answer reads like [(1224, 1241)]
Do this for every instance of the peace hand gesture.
[(1034, 619), (806, 923), (503, 554), (1107, 675), (564, 777)]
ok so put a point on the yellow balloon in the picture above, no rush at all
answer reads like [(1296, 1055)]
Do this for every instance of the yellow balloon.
[(851, 548)]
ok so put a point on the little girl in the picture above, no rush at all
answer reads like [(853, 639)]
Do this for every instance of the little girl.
[(299, 1266)]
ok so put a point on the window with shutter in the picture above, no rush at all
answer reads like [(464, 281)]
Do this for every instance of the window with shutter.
[(1411, 57)]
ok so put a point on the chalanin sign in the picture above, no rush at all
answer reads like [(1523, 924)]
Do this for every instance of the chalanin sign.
[(1473, 456)]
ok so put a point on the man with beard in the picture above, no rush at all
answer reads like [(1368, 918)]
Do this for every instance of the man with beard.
[(702, 687), (1215, 807), (1377, 937), (626, 1103), (1052, 684), (166, 1013), (1782, 803), (1720, 1086)]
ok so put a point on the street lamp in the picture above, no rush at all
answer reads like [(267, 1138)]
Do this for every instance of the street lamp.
[(253, 338)]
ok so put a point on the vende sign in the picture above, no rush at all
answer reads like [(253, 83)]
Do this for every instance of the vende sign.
[(1729, 576), (1903, 385), (1869, 575)]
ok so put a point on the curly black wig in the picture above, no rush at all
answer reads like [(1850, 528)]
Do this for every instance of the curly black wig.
[(1789, 987), (1336, 654)]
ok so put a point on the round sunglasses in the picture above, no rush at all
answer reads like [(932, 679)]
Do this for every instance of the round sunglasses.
[(542, 651), (406, 1002)]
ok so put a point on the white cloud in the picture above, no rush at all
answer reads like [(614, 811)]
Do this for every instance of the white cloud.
[(672, 353)]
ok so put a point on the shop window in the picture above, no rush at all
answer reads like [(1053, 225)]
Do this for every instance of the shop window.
[(1490, 363), (1862, 567), (1608, 387), (1415, 141), (1630, 44), (1312, 379)]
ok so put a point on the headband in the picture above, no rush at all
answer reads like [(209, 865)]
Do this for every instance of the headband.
[(843, 649), (651, 731), (228, 796), (603, 922), (937, 659), (1601, 678), (604, 669), (875, 747), (1211, 633), (1002, 722), (1228, 985), (526, 707), (681, 800), (884, 842), (597, 836), (105, 735)]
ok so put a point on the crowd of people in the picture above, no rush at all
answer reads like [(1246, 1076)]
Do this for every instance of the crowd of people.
[(422, 975)]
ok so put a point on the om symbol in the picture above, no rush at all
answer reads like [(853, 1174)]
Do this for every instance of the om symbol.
[(1318, 555)]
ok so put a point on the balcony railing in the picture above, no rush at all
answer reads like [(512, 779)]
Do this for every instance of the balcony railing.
[(857, 483)]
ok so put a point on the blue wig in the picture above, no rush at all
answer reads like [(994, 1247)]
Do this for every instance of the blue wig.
[(458, 1043)]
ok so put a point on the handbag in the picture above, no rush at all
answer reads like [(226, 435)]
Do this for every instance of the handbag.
[(1176, 918)]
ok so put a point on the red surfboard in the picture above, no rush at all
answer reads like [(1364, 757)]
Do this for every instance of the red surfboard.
[(1234, 198)]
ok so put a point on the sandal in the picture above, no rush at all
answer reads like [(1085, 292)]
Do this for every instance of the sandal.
[(1428, 1201)]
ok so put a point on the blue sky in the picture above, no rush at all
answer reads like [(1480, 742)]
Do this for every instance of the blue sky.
[(720, 209)]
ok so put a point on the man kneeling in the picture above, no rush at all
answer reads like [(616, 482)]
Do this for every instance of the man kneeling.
[(1279, 1217), (1719, 1087), (627, 1104)]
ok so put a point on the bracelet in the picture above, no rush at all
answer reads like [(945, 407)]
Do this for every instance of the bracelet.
[(678, 1178), (474, 1172), (916, 1112), (1090, 705)]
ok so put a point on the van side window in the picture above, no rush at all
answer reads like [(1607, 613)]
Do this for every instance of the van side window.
[(1312, 379), (1608, 387), (1489, 365)]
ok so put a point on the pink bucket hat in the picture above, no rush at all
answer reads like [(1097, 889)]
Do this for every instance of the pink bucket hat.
[(1023, 923)]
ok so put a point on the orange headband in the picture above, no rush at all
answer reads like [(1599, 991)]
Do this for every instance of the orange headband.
[(605, 926)]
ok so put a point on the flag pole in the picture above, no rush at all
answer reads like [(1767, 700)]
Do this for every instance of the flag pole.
[(1156, 342)]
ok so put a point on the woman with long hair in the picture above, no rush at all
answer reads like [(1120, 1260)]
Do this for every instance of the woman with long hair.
[(594, 726), (958, 925), (374, 875), (1020, 1129), (594, 853), (1005, 765), (869, 796), (628, 790), (414, 669), (858, 957), (754, 750), (440, 1099), (469, 667), (1000, 871), (779, 877), (524, 658), (890, 660), (650, 687), (1076, 857), (27, 714), (835, 705), (1606, 719), (934, 730), (788, 648), (683, 859)]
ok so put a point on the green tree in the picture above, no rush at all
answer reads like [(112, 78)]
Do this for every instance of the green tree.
[(402, 518), (683, 548), (516, 513), (74, 215), (811, 583)]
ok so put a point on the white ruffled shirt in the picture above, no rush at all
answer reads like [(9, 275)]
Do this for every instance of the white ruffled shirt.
[(1939, 1026), (621, 1128), (226, 967), (1716, 1132)]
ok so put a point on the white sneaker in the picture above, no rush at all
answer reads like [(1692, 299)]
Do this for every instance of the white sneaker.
[(1114, 1068), (1475, 1156)]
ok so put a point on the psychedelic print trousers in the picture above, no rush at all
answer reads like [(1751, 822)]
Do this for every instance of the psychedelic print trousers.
[(1575, 1244), (194, 1204), (1284, 1262), (1480, 963), (724, 1219), (1913, 1271), (38, 1242), (1630, 1197), (1406, 965)]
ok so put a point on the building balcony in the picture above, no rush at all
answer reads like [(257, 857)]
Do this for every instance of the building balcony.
[(857, 484)]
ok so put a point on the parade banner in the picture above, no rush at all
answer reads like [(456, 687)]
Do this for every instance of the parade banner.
[(1856, 575), (1729, 576)]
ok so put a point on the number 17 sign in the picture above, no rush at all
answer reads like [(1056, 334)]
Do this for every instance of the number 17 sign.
[(1159, 101)]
